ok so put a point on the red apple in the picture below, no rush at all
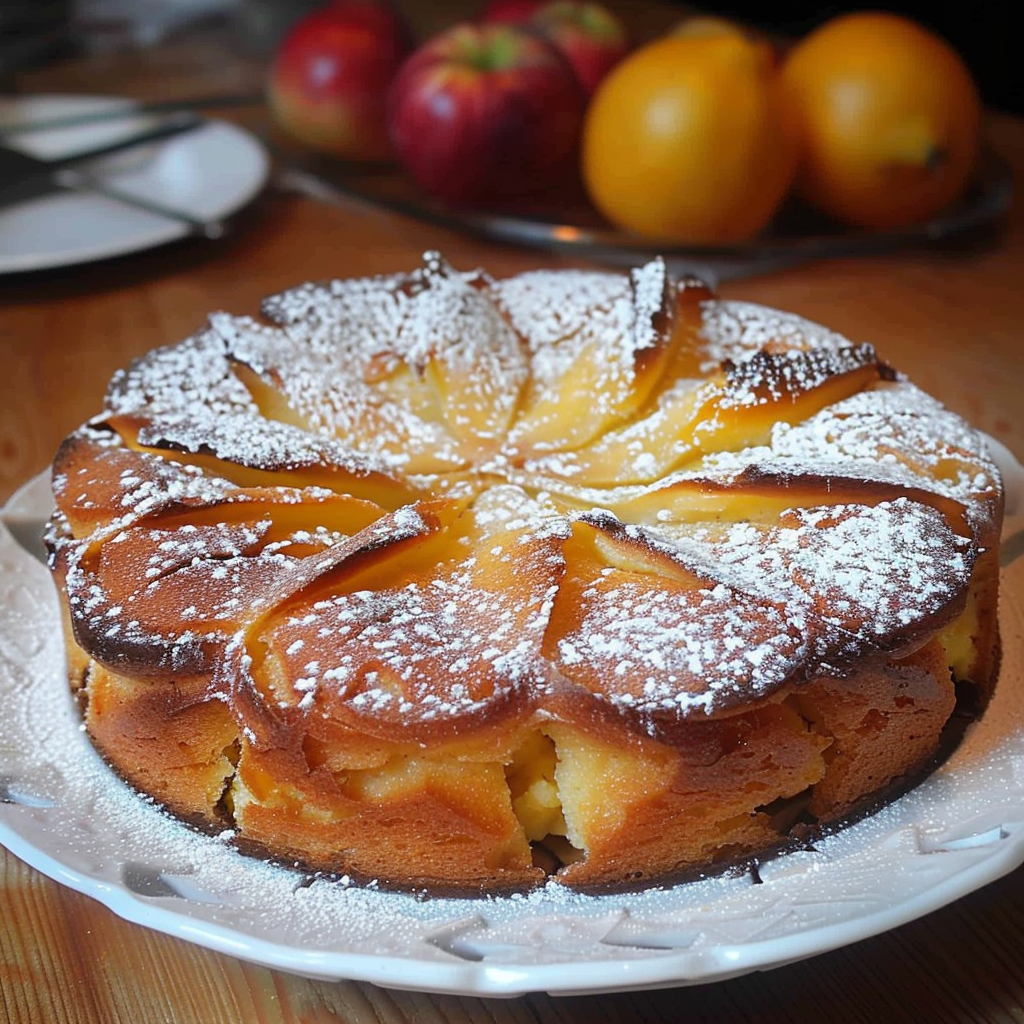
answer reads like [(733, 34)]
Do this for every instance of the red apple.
[(590, 37), (485, 112), (510, 12), (329, 78)]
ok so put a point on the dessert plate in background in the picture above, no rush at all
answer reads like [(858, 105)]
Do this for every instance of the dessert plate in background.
[(208, 174), (63, 812)]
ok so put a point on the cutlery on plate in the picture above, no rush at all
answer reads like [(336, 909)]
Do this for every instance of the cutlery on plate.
[(20, 171), (24, 177), (81, 181)]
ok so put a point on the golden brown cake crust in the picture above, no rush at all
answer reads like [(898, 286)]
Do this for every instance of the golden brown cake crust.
[(451, 582)]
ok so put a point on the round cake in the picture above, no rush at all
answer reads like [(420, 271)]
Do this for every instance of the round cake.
[(458, 583)]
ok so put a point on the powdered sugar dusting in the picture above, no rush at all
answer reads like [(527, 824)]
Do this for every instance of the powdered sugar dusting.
[(738, 330), (658, 648), (415, 649), (832, 566)]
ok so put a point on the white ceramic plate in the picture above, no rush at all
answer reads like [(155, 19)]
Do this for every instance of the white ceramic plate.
[(63, 812), (208, 173)]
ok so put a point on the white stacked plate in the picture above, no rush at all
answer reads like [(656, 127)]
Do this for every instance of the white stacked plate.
[(208, 173)]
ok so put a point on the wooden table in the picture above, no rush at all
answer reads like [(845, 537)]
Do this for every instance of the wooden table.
[(953, 320)]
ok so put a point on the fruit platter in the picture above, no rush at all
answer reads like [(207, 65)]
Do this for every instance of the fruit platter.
[(559, 124)]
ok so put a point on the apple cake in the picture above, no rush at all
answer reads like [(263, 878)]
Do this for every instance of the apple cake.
[(458, 583)]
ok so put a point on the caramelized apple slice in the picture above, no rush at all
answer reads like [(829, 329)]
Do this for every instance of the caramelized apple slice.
[(97, 479), (235, 452), (370, 422), (641, 627), (733, 331), (858, 579), (178, 575), (757, 496), (328, 390), (402, 630), (735, 409), (297, 522), (456, 340), (594, 371)]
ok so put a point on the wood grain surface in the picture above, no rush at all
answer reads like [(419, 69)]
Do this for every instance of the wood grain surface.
[(952, 318)]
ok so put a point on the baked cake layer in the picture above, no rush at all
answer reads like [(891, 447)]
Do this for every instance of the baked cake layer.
[(453, 582)]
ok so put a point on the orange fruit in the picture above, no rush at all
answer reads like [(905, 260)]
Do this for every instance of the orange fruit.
[(890, 118), (689, 140)]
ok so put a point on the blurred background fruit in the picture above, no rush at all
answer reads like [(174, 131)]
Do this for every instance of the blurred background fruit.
[(978, 32), (591, 37), (890, 120), (485, 113), (328, 82), (699, 136), (510, 12), (688, 139)]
